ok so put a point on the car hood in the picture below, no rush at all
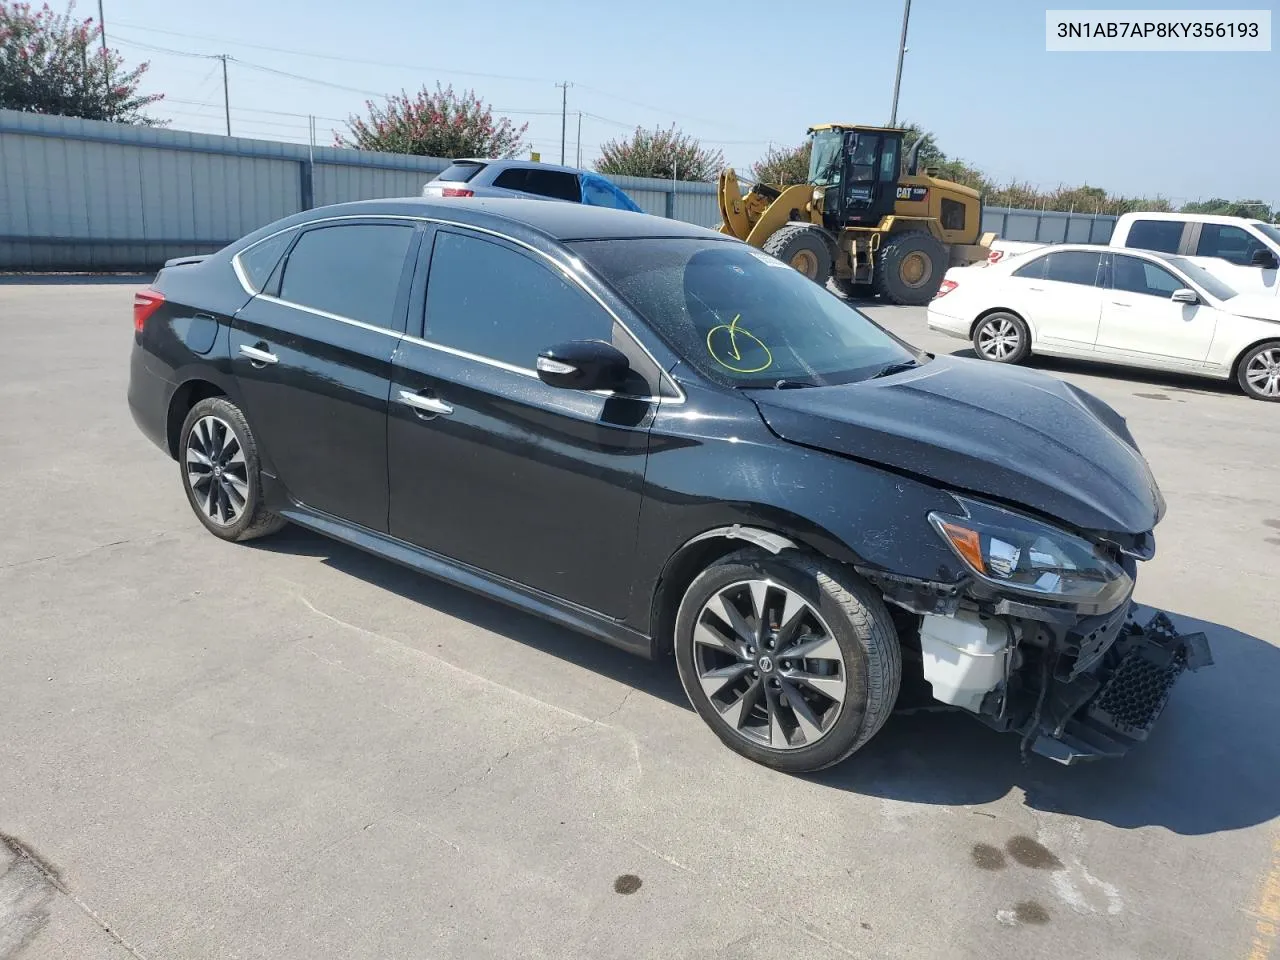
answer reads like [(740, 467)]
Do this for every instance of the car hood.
[(1260, 306), (1009, 434)]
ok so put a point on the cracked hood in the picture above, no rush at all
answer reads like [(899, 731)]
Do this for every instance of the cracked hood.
[(1010, 434)]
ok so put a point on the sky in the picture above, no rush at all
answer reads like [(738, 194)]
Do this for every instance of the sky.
[(738, 74)]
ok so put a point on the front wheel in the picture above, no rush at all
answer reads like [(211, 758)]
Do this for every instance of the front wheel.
[(1259, 372), (791, 660)]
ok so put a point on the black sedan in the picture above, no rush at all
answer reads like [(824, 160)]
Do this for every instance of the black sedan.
[(659, 436)]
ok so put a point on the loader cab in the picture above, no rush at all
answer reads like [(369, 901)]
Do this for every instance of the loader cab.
[(858, 169)]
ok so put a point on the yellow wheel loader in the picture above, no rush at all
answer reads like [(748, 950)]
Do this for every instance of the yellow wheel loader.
[(861, 222)]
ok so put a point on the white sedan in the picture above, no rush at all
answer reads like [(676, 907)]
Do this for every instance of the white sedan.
[(1138, 308)]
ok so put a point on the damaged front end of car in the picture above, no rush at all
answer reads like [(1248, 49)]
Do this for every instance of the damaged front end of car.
[(1041, 635)]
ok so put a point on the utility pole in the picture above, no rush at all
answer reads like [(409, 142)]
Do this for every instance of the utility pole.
[(902, 49), (102, 23), (579, 138), (226, 95), (564, 115)]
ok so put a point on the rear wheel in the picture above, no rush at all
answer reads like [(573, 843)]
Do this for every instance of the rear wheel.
[(1259, 372), (804, 247), (791, 660), (221, 473), (1002, 337), (909, 268)]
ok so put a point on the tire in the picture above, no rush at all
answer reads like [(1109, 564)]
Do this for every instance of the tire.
[(1002, 337), (845, 287), (805, 247), (1263, 364), (850, 650), (217, 451), (898, 259)]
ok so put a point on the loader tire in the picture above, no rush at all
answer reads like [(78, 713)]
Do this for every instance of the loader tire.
[(909, 268), (805, 247)]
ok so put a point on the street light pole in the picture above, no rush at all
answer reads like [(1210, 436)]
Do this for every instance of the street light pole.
[(902, 49)]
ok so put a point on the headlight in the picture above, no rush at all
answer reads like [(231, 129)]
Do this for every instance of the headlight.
[(1023, 555)]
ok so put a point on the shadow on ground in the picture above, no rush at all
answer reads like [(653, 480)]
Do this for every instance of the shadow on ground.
[(1212, 763)]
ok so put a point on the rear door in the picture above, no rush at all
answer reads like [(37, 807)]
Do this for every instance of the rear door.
[(312, 355), (1140, 322), (490, 466), (1063, 298)]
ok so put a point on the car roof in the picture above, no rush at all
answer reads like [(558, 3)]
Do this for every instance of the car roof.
[(1195, 217), (558, 221), (519, 164)]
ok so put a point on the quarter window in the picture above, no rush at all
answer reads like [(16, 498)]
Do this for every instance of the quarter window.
[(1164, 236), (352, 270), (258, 262), (1135, 275), (1233, 244), (1073, 266), (491, 301), (1033, 270)]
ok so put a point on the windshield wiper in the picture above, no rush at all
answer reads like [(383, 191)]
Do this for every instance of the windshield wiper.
[(792, 384), (900, 367)]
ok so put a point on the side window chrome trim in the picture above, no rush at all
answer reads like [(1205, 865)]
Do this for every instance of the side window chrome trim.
[(566, 272), (329, 316)]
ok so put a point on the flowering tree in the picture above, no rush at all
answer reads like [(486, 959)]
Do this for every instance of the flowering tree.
[(434, 124), (659, 153), (53, 63), (784, 165)]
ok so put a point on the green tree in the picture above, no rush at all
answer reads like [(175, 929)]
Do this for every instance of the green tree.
[(930, 155), (1254, 209), (667, 154), (435, 123), (784, 165), (53, 63)]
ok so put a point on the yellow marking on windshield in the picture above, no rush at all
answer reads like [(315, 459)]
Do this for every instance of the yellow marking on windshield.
[(735, 351)]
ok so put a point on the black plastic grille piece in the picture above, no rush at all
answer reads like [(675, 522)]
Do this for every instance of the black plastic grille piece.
[(1137, 692)]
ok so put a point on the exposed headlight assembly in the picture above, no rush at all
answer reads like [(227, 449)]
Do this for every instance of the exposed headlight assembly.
[(1022, 555)]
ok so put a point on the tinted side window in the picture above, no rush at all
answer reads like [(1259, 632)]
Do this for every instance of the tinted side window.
[(489, 300), (513, 179), (600, 195), (260, 260), (1162, 235), (1073, 266), (553, 183), (1139, 276), (1033, 270), (1229, 243), (351, 270)]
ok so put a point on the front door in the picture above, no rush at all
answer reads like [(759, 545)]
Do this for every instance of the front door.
[(1141, 322), (313, 362), (490, 466)]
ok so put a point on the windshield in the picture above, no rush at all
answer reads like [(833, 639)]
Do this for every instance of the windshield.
[(1212, 285), (739, 316), (1270, 231), (824, 161)]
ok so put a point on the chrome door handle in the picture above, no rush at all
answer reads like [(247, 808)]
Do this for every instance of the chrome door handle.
[(425, 404), (1036, 289), (1117, 303), (257, 355)]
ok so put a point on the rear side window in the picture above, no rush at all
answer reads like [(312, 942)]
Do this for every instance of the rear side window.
[(553, 183), (258, 262), (493, 302), (1233, 244), (1033, 270), (460, 172), (351, 270), (1073, 266), (1135, 275), (512, 179), (1162, 235)]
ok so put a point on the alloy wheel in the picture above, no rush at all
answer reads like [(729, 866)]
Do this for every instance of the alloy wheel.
[(1263, 373), (217, 471), (769, 664), (998, 339)]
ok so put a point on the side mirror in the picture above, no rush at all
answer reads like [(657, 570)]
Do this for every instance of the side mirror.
[(1185, 296), (1263, 258), (583, 365)]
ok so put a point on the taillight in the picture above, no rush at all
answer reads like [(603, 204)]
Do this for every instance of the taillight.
[(946, 287), (145, 303), (457, 192)]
